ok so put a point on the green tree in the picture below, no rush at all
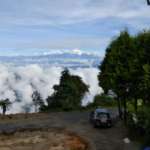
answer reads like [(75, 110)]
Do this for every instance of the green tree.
[(143, 49), (37, 100), (116, 68), (4, 104), (126, 71), (69, 93), (102, 101)]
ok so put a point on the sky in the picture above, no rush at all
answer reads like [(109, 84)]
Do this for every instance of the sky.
[(32, 26)]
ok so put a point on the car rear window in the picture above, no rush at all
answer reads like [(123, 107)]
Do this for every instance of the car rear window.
[(102, 115)]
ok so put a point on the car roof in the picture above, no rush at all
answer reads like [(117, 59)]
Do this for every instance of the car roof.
[(101, 110)]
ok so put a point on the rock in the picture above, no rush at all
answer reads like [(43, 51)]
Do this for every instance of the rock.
[(126, 140)]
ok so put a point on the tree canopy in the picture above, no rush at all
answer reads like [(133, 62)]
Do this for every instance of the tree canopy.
[(126, 67), (69, 93)]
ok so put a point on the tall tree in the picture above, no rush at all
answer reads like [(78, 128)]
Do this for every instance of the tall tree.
[(115, 70), (69, 93), (143, 47)]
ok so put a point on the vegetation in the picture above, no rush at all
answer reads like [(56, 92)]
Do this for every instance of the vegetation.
[(139, 125), (68, 94), (126, 71), (102, 101), (37, 100), (4, 104)]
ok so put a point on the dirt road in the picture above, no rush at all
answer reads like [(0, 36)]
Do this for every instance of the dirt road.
[(99, 139)]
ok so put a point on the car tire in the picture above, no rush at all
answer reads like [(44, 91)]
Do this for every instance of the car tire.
[(96, 124)]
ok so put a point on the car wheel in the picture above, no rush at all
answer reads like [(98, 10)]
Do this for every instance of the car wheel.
[(96, 124)]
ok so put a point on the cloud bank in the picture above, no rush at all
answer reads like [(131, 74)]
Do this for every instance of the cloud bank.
[(18, 84)]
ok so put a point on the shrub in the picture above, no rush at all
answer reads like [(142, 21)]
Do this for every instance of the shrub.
[(139, 124), (103, 101)]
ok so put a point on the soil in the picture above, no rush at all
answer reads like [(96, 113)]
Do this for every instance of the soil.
[(42, 140), (63, 130)]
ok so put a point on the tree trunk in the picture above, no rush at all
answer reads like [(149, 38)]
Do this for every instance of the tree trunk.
[(119, 108), (144, 101), (135, 105), (125, 110), (4, 109)]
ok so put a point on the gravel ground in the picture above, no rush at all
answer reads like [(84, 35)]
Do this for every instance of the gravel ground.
[(99, 139), (53, 139)]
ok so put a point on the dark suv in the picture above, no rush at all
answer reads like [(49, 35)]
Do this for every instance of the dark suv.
[(101, 118)]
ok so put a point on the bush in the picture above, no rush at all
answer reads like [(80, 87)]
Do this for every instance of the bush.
[(102, 101), (139, 125)]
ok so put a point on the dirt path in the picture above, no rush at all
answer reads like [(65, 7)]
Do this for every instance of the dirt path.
[(100, 139), (54, 139)]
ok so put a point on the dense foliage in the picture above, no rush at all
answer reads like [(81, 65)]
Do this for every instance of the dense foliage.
[(68, 94), (126, 71), (139, 125), (102, 101)]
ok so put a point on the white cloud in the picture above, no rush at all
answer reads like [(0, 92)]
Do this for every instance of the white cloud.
[(71, 23), (18, 84), (89, 76), (47, 12), (77, 51)]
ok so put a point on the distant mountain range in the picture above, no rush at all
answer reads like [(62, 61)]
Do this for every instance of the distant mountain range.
[(65, 59)]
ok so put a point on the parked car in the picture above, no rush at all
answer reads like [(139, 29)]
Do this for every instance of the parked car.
[(101, 118)]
